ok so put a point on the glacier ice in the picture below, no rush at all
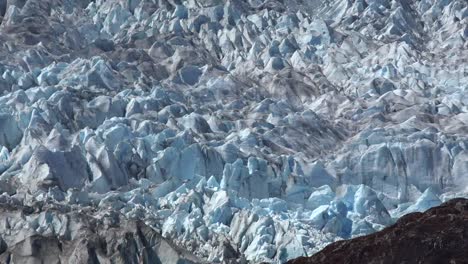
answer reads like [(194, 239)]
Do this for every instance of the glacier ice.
[(241, 130)]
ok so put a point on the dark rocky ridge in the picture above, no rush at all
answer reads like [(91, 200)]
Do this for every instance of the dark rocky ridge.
[(440, 235)]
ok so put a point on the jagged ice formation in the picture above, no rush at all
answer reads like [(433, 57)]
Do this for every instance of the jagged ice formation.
[(239, 130)]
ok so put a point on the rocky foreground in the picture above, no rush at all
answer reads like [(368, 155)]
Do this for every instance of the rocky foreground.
[(439, 235)]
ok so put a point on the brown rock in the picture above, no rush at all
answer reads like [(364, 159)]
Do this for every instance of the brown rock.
[(440, 235)]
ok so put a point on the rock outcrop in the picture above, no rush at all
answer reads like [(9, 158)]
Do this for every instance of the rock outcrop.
[(439, 235)]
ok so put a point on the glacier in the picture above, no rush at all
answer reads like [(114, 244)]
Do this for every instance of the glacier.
[(243, 131)]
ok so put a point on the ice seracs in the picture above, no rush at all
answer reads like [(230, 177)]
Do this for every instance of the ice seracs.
[(243, 131)]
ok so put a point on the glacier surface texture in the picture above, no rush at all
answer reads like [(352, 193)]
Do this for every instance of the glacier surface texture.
[(243, 131)]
